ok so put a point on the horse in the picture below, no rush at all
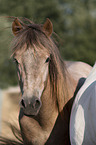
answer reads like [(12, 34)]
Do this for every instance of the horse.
[(48, 84), (83, 117)]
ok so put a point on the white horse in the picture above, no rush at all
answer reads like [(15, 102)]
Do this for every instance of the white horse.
[(83, 114)]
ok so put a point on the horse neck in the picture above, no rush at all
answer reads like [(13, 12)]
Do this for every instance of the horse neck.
[(44, 122)]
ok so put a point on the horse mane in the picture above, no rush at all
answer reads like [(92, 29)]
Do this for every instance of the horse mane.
[(5, 141), (17, 134), (32, 35)]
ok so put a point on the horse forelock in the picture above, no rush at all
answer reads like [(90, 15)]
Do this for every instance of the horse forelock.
[(32, 35)]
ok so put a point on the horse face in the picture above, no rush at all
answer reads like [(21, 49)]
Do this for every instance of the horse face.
[(32, 68)]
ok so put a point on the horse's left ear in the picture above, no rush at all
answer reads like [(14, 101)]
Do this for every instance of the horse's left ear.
[(16, 26), (48, 27)]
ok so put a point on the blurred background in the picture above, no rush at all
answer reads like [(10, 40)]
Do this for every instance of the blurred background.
[(73, 20)]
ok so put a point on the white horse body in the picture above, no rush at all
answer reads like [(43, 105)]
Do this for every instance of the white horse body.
[(83, 114), (78, 69)]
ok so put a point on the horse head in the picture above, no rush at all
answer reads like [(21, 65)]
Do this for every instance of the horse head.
[(32, 63)]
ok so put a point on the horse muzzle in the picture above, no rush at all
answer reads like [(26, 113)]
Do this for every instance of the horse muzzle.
[(30, 106)]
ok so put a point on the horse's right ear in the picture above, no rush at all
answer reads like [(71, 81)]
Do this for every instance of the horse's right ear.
[(48, 27), (16, 26)]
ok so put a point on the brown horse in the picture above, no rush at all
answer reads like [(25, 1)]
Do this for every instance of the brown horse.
[(47, 84)]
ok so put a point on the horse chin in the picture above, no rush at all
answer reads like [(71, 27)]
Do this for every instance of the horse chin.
[(31, 114), (28, 113)]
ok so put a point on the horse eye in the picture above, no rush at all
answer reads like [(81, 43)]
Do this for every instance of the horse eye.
[(15, 60), (47, 60)]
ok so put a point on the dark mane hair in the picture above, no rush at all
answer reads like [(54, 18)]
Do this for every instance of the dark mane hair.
[(29, 34), (33, 35), (17, 135)]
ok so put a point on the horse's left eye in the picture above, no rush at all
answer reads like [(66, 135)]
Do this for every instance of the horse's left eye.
[(47, 60), (15, 60)]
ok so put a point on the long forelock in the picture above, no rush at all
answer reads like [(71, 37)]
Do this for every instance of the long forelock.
[(31, 34)]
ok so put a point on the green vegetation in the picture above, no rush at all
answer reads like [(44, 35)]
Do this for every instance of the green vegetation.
[(73, 21)]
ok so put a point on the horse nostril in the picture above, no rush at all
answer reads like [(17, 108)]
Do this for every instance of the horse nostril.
[(23, 103), (37, 104)]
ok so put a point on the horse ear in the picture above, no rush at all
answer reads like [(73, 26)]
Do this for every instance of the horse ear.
[(48, 27), (16, 26)]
